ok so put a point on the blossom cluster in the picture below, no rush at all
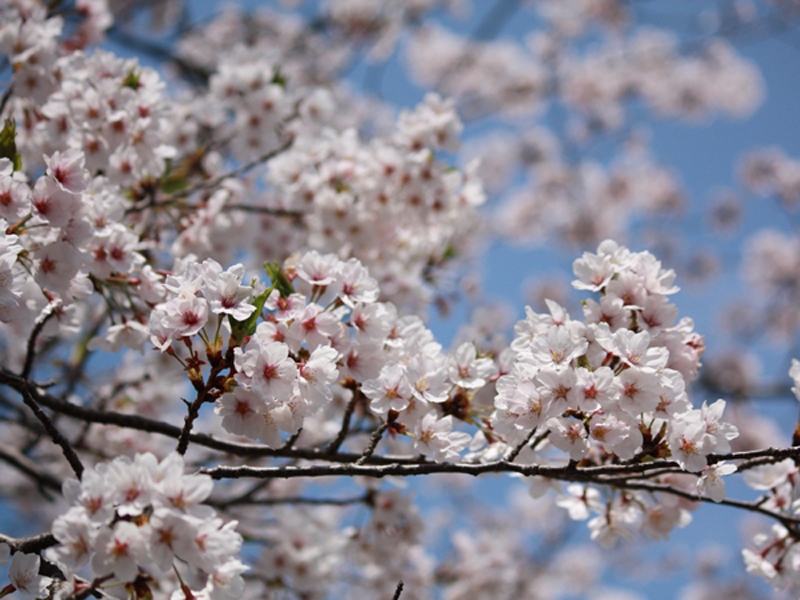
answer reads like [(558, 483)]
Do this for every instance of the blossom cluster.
[(584, 203), (381, 193), (612, 387), (134, 520), (126, 193), (775, 554), (62, 233), (113, 110), (388, 202), (337, 339), (770, 172), (645, 63), (593, 63), (192, 295)]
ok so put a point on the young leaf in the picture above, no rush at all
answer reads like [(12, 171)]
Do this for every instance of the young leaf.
[(8, 146)]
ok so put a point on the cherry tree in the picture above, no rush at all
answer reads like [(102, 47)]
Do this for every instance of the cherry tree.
[(223, 263)]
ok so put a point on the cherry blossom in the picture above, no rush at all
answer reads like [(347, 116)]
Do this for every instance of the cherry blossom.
[(24, 576), (222, 265)]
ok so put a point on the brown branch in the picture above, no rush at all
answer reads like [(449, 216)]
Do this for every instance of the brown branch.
[(30, 352), (240, 170), (567, 473), (616, 475), (564, 473), (373, 443), (623, 476), (398, 591), (787, 520), (139, 423), (52, 430), (348, 415), (773, 454), (28, 545), (136, 422), (25, 465), (291, 441), (515, 452), (194, 408), (6, 96), (263, 210)]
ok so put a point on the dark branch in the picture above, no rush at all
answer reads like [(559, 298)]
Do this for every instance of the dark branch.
[(294, 500), (28, 545), (194, 408), (398, 591), (515, 452), (53, 432), (373, 443), (139, 423), (348, 414), (30, 352), (25, 465), (241, 170)]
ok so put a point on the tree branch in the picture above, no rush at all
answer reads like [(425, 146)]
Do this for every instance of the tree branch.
[(194, 407), (374, 440), (240, 170), (348, 414), (25, 465), (55, 434), (35, 543), (398, 591), (139, 423), (30, 353)]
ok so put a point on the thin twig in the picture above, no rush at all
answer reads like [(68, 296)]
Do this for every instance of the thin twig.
[(41, 321), (373, 443), (292, 440), (515, 452), (398, 590), (240, 170), (348, 414), (263, 210), (25, 465), (55, 434), (194, 407), (749, 506), (5, 98)]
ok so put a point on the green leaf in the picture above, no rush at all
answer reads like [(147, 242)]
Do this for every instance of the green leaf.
[(174, 182), (242, 329), (279, 78), (8, 146), (132, 79), (279, 279)]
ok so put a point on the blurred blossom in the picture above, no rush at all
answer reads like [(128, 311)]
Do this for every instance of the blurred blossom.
[(732, 373), (725, 214)]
